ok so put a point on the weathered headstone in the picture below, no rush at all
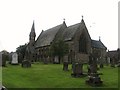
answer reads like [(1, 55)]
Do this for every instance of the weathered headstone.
[(93, 78), (118, 65), (4, 58), (14, 58), (65, 63), (101, 65), (101, 62), (77, 70), (107, 60), (0, 59), (65, 66), (93, 66), (112, 62), (26, 64), (45, 59), (56, 59)]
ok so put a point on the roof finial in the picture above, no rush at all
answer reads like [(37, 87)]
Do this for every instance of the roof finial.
[(82, 16), (82, 21), (99, 38), (64, 19)]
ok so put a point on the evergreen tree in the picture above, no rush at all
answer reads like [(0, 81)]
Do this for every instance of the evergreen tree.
[(59, 48), (21, 52)]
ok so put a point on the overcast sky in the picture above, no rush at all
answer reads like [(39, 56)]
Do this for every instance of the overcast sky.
[(16, 18)]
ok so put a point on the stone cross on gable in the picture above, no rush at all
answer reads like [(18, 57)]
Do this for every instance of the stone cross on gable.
[(99, 38), (82, 16), (63, 19)]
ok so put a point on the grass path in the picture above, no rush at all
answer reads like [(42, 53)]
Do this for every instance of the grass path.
[(52, 76)]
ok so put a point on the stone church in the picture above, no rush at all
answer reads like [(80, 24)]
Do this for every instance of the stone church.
[(76, 36)]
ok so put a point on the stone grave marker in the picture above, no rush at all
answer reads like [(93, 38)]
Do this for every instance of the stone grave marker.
[(112, 62), (56, 59), (101, 62), (45, 60), (93, 76), (4, 58), (65, 63), (14, 58), (26, 64), (77, 70), (0, 59), (118, 65)]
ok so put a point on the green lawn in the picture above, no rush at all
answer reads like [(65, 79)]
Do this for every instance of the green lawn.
[(52, 76)]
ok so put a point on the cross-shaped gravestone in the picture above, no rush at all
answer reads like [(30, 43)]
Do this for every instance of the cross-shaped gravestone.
[(93, 76)]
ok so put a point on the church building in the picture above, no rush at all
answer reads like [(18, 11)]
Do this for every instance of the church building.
[(76, 36)]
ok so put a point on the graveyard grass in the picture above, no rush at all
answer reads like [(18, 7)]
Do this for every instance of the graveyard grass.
[(52, 76)]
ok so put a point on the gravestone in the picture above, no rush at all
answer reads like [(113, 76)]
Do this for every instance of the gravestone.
[(93, 65), (101, 62), (4, 58), (65, 63), (77, 70), (0, 59), (112, 62), (118, 65), (65, 66), (56, 60), (14, 58), (101, 66), (107, 60), (26, 64), (94, 80), (93, 76), (45, 59)]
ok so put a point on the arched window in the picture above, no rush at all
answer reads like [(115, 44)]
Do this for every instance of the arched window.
[(82, 44)]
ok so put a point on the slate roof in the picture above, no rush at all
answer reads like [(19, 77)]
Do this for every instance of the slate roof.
[(70, 31), (98, 44), (46, 37), (112, 53)]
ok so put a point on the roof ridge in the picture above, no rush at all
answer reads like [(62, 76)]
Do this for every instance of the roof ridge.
[(74, 24), (53, 27)]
